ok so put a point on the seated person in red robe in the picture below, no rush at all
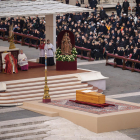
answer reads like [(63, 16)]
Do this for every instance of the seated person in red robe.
[(11, 64)]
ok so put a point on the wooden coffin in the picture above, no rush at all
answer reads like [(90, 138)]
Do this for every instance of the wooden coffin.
[(90, 96)]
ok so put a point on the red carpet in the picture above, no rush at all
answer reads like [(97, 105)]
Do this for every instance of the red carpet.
[(35, 65), (92, 104)]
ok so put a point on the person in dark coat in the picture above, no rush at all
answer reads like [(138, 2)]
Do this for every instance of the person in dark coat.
[(134, 56), (138, 47), (67, 1), (79, 44), (137, 65), (78, 4), (103, 14), (37, 19), (119, 52), (137, 1), (108, 49), (125, 6), (118, 9), (85, 45), (82, 1), (138, 9), (93, 3), (123, 43)]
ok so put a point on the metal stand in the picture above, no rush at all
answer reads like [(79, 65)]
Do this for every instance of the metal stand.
[(46, 97)]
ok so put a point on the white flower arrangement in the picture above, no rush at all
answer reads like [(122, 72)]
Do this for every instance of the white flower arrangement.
[(68, 58)]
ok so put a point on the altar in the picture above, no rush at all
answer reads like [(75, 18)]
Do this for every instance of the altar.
[(66, 54), (3, 49)]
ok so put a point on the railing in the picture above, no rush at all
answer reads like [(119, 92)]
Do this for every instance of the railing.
[(23, 42), (82, 49), (3, 37), (124, 60), (22, 39)]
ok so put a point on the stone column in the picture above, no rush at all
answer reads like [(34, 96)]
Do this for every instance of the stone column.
[(72, 2), (51, 29), (86, 2)]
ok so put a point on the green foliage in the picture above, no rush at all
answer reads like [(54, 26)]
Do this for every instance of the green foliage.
[(68, 58)]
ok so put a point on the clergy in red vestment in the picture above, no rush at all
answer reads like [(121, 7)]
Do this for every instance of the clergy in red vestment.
[(11, 64), (41, 52)]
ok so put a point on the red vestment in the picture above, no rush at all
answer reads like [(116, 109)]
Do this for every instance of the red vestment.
[(41, 46), (10, 63)]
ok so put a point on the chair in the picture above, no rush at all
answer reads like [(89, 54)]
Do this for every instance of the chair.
[(2, 87), (3, 60)]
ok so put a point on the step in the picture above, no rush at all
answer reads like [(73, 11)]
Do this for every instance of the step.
[(40, 94), (42, 83), (27, 96), (24, 134), (20, 101), (22, 128), (17, 101), (31, 137), (24, 122), (52, 88), (52, 91), (5, 104), (42, 86), (41, 78)]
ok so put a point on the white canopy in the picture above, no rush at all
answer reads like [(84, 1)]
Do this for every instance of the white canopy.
[(32, 8)]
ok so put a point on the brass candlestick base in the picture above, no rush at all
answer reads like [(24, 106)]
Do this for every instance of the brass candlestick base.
[(46, 97)]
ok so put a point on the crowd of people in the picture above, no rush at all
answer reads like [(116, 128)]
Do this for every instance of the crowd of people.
[(118, 34)]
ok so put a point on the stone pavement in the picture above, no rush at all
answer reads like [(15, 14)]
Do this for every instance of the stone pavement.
[(54, 128), (62, 129), (12, 115)]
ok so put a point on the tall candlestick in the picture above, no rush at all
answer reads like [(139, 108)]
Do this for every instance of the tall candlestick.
[(46, 97)]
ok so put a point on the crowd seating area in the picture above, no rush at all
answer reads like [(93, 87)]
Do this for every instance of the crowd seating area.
[(96, 34)]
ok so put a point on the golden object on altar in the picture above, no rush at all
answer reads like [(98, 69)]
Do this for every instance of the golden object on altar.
[(66, 45), (12, 45), (90, 96), (11, 37)]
